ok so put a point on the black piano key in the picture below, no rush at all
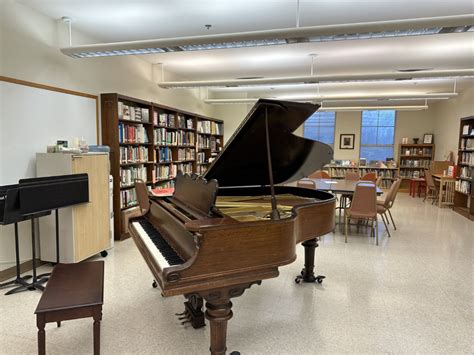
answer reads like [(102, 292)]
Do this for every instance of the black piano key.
[(162, 245)]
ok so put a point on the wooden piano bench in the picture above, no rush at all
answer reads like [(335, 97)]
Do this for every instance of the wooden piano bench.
[(73, 291)]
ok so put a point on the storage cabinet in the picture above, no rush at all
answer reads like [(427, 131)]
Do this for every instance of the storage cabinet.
[(84, 230)]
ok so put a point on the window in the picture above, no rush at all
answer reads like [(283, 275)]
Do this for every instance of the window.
[(377, 134), (320, 127)]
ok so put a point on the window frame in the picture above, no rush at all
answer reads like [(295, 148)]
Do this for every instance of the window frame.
[(319, 125), (378, 145)]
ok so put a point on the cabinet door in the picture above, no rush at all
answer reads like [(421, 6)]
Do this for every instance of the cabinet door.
[(91, 220)]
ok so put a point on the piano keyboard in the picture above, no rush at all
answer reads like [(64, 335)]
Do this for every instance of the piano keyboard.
[(158, 247)]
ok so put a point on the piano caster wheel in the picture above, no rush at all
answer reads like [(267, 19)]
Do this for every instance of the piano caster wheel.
[(298, 280), (234, 353), (104, 253), (154, 284), (319, 279)]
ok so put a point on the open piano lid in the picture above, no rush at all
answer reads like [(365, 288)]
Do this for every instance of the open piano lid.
[(243, 161)]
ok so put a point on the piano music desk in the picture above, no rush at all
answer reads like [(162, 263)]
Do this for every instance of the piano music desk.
[(73, 291)]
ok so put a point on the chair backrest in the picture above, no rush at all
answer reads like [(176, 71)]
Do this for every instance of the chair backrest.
[(397, 184), (142, 196), (352, 176), (364, 201), (319, 174), (369, 177), (392, 193), (308, 184), (378, 182), (429, 179)]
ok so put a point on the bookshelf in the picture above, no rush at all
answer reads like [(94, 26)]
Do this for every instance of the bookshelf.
[(413, 159), (152, 142), (464, 193), (388, 174)]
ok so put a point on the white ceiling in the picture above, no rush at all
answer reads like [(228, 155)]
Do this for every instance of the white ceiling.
[(112, 20)]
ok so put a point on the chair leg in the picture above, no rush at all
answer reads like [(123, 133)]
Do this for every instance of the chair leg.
[(393, 222), (376, 231), (385, 224), (345, 226)]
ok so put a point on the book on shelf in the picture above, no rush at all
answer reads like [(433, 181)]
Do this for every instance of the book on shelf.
[(133, 113), (186, 154), (166, 137), (204, 142), (133, 154), (167, 120), (131, 133), (185, 122), (128, 198), (129, 174), (467, 143), (164, 155)]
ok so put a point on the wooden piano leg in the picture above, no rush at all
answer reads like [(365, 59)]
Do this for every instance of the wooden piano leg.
[(307, 274), (218, 312)]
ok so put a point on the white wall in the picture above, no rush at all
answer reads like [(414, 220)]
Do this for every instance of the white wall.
[(446, 116), (29, 50)]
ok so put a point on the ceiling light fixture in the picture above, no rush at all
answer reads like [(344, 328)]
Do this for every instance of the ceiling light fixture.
[(368, 108), (315, 79), (346, 97), (340, 32)]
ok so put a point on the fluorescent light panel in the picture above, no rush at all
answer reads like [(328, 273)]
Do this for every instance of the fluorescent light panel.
[(328, 98), (368, 108), (315, 79), (341, 32)]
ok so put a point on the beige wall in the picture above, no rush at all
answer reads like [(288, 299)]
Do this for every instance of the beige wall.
[(347, 123), (446, 116)]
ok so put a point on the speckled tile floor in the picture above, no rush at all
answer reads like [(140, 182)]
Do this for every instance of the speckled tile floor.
[(411, 294)]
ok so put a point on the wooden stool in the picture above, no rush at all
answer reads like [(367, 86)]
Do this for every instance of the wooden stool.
[(73, 291)]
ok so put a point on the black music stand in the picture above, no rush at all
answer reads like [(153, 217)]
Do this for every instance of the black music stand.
[(10, 213)]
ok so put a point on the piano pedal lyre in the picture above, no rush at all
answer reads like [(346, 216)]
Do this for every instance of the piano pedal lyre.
[(193, 312)]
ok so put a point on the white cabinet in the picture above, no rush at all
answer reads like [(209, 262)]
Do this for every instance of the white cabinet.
[(84, 230)]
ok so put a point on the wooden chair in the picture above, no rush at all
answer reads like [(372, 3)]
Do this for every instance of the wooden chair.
[(384, 206), (363, 206), (431, 187), (369, 177), (319, 174), (307, 184)]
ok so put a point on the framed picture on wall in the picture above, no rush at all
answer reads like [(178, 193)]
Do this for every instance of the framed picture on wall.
[(346, 141), (428, 138)]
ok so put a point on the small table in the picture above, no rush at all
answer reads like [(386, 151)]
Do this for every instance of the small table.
[(416, 184), (446, 189), (73, 291)]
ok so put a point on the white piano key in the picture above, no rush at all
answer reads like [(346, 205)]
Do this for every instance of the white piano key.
[(154, 251)]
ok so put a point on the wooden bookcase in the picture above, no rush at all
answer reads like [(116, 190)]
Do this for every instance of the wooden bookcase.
[(413, 159), (152, 143), (464, 194)]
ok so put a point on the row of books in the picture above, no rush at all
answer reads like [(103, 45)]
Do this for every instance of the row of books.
[(201, 157), (164, 155), (417, 151), (467, 130), (409, 163), (132, 133), (129, 174), (203, 142), (186, 154), (216, 144), (170, 120), (209, 127), (463, 186), (185, 122), (466, 173), (133, 154), (133, 113), (165, 184), (201, 169), (467, 143), (467, 158), (384, 173), (128, 198), (165, 137), (409, 174), (165, 171)]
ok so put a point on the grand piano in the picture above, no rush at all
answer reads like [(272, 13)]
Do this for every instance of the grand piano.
[(237, 224)]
